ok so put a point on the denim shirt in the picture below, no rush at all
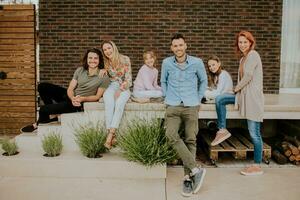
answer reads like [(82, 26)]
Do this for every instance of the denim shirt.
[(183, 84)]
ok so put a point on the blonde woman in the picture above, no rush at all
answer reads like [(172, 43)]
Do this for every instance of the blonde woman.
[(118, 68)]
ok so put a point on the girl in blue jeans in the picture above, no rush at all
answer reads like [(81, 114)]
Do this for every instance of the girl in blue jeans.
[(248, 98)]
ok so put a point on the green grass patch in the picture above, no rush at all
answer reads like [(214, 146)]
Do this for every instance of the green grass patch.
[(90, 139), (146, 143), (52, 144), (9, 147)]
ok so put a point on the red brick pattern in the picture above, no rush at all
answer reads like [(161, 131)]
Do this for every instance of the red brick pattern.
[(69, 27)]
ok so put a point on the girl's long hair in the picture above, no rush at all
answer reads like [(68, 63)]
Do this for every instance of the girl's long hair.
[(214, 76), (116, 56)]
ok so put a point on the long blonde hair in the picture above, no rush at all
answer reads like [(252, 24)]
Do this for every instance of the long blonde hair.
[(116, 56)]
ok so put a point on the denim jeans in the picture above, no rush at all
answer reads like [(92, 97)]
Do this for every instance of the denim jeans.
[(253, 126), (147, 93), (254, 130), (114, 108), (221, 101)]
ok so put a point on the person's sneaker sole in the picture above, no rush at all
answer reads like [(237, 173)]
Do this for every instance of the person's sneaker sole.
[(201, 181), (228, 135), (186, 194)]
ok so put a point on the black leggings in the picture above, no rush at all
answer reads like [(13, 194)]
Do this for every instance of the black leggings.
[(56, 101)]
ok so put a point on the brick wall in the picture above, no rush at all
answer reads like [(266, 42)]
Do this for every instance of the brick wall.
[(69, 27)]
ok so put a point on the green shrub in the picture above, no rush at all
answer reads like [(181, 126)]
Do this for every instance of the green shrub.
[(90, 139), (146, 143), (9, 147), (52, 144)]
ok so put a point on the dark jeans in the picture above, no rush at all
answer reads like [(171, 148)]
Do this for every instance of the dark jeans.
[(56, 101)]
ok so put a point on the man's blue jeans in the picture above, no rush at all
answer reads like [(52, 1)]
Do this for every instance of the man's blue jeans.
[(253, 126)]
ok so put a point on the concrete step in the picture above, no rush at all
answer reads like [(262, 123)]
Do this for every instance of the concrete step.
[(68, 138), (39, 188), (71, 121), (29, 142), (45, 129), (74, 165)]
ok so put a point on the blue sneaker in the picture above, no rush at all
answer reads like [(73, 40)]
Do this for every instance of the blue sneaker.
[(198, 180), (187, 189)]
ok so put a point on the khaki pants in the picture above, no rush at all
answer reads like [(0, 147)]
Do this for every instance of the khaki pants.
[(186, 146)]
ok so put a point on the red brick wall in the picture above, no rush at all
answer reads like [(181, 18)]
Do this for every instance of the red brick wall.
[(69, 27)]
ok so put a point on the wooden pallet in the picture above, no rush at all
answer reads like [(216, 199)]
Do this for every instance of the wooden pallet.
[(237, 144)]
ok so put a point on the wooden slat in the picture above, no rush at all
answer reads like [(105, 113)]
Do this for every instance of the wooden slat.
[(18, 7), (22, 120), (16, 36), (17, 59), (227, 146), (16, 30), (13, 91), (13, 125), (17, 53), (18, 75), (17, 65), (20, 81), (18, 98), (208, 140), (16, 86), (17, 114), (245, 141), (17, 47), (17, 69), (15, 109), (16, 13), (16, 24), (17, 18), (236, 143), (16, 41), (13, 131), (15, 103)]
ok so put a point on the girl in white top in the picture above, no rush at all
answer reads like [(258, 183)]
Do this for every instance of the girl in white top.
[(219, 80)]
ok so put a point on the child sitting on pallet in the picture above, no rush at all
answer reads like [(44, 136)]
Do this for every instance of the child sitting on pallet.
[(145, 84)]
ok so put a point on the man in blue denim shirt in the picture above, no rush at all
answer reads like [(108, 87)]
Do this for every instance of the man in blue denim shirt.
[(184, 80)]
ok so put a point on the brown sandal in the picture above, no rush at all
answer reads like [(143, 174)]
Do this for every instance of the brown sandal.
[(110, 140)]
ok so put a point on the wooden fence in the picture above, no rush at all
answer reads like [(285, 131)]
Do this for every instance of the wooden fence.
[(17, 67)]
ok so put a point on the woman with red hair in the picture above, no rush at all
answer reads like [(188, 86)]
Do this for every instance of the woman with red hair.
[(248, 98)]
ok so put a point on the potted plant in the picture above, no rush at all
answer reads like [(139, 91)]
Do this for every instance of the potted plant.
[(52, 144), (91, 138), (9, 147), (146, 143)]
